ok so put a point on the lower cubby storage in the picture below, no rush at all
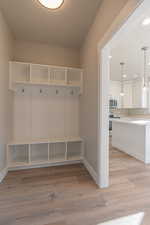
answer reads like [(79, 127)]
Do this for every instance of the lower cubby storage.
[(74, 150), (18, 155), (38, 153), (57, 152), (29, 154)]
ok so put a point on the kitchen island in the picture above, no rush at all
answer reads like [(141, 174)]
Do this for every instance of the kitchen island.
[(132, 136)]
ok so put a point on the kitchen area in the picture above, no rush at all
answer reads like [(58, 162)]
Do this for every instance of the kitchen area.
[(129, 131), (129, 92)]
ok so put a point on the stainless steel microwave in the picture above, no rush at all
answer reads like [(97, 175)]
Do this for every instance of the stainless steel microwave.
[(113, 103)]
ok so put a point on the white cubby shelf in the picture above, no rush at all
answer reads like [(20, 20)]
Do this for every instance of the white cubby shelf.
[(27, 154), (46, 75), (46, 123)]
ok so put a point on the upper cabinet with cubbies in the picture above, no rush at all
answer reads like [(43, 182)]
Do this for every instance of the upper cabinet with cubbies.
[(74, 76), (39, 74), (19, 72), (58, 75), (36, 74)]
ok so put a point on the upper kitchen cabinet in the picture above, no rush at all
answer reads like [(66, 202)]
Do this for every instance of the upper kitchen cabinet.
[(129, 94), (134, 97), (137, 94), (127, 98)]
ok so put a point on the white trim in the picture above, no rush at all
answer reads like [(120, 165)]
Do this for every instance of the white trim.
[(46, 65), (3, 174), (46, 141), (44, 165), (103, 121), (103, 83), (90, 169)]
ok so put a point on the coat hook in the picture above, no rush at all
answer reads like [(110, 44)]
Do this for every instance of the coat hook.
[(23, 90), (40, 90), (57, 92)]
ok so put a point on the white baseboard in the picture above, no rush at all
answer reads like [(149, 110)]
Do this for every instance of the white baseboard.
[(90, 169), (3, 174), (44, 165)]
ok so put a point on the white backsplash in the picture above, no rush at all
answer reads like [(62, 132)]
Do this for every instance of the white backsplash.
[(131, 112)]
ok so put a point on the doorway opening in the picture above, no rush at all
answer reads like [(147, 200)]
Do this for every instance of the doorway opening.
[(122, 57)]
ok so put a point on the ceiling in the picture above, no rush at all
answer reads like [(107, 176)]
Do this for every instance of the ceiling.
[(128, 46), (66, 26)]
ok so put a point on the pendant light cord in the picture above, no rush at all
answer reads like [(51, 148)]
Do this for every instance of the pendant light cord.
[(144, 49), (122, 72)]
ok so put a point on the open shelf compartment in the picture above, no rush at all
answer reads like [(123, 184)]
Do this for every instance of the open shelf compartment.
[(74, 150), (18, 155), (39, 73), (58, 75), (19, 72), (74, 76), (38, 152), (57, 152), (44, 151)]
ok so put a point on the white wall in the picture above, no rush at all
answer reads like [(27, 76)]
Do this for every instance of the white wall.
[(89, 57), (5, 95), (45, 115), (36, 52)]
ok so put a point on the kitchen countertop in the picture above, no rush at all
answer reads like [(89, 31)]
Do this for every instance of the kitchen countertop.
[(129, 120)]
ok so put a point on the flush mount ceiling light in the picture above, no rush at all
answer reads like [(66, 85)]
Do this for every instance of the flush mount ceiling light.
[(51, 4), (122, 94), (124, 76), (146, 22)]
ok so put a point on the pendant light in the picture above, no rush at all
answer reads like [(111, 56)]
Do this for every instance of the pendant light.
[(51, 4), (122, 74), (145, 49)]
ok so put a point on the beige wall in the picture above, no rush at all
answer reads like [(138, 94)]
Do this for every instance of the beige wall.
[(45, 54), (5, 95), (89, 58)]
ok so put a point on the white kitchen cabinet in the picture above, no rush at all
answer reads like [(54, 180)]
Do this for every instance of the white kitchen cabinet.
[(136, 145), (137, 99), (127, 98), (134, 95)]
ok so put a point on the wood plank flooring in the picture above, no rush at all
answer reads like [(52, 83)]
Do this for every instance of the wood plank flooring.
[(67, 195)]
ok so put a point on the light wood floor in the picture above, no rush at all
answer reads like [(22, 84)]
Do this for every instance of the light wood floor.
[(67, 195)]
